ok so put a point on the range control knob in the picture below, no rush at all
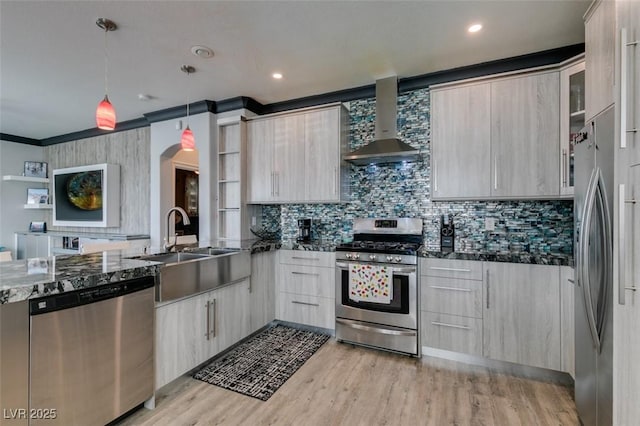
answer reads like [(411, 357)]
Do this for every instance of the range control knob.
[(348, 256), (398, 259), (389, 258), (356, 256), (372, 257)]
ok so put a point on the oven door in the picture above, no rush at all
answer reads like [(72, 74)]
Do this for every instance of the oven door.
[(400, 312)]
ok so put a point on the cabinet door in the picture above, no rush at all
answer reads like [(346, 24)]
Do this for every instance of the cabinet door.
[(525, 136), (629, 101), (181, 341), (571, 121), (322, 155), (230, 314), (263, 278), (599, 37), (260, 148), (289, 171), (460, 144), (567, 337), (626, 369), (522, 314)]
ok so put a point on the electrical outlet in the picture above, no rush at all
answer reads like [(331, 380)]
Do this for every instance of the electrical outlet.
[(253, 221), (179, 125), (489, 224)]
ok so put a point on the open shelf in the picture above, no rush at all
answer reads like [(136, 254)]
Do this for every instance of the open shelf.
[(25, 179), (43, 206)]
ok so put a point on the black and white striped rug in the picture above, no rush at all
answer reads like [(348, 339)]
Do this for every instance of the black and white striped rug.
[(259, 366)]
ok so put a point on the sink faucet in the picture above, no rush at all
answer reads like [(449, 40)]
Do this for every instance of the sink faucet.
[(185, 219)]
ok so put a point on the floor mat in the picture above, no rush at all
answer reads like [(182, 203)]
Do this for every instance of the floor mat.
[(259, 366)]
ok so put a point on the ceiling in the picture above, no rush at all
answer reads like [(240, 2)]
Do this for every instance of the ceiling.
[(52, 52)]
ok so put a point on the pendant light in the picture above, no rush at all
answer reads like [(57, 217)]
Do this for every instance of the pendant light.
[(187, 142), (105, 114)]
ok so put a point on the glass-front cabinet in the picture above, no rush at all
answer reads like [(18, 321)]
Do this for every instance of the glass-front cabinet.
[(572, 119)]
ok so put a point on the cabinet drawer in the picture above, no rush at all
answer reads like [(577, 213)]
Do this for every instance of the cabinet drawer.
[(308, 258), (452, 333), (308, 280), (446, 268), (309, 310), (451, 296)]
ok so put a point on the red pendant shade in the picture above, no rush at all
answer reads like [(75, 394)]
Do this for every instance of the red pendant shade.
[(105, 115), (188, 142)]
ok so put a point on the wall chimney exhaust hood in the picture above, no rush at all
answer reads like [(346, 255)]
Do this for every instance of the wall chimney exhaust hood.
[(386, 147)]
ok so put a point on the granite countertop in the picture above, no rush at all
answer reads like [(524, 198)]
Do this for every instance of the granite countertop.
[(33, 278), (314, 245), (561, 259), (124, 237)]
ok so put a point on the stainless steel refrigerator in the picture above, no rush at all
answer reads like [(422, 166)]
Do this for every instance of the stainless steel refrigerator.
[(593, 210)]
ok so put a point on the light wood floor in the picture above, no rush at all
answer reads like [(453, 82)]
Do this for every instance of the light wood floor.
[(346, 385)]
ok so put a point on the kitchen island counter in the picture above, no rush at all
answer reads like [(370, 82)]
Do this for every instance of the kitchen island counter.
[(31, 278)]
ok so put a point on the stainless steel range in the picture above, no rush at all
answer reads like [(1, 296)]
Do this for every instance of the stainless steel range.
[(377, 285)]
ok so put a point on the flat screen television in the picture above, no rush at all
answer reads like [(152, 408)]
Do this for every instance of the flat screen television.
[(87, 196)]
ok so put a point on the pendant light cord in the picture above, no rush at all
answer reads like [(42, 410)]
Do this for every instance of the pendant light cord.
[(188, 86), (106, 64)]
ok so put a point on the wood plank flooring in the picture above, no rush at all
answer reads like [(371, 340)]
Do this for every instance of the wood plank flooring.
[(347, 385)]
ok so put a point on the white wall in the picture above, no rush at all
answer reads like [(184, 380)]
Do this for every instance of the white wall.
[(13, 195), (165, 144)]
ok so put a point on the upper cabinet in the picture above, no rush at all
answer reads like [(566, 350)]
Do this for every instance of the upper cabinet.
[(572, 113), (599, 56), (461, 141), (497, 139), (525, 124), (296, 157)]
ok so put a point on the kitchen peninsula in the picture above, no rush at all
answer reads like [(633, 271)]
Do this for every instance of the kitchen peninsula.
[(75, 312)]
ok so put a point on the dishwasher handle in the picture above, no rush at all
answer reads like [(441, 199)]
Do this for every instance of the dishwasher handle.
[(74, 298)]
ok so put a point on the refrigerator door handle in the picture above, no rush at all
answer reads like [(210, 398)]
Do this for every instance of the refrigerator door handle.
[(607, 251), (584, 256)]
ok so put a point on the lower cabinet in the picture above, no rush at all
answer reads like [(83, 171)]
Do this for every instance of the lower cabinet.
[(306, 288), (451, 305), (263, 279), (567, 332), (521, 320), (505, 311), (192, 330)]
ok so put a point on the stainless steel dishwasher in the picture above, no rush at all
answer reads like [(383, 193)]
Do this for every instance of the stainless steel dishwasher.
[(92, 353)]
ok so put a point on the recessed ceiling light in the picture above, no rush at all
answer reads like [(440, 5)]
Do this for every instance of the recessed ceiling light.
[(474, 28), (202, 51), (276, 75)]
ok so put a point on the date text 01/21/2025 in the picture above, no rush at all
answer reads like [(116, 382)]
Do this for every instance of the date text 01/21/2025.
[(32, 414)]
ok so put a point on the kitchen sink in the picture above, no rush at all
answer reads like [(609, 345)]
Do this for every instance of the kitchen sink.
[(167, 258), (187, 273)]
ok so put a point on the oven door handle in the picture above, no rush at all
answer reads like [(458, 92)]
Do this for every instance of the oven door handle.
[(380, 329), (407, 270)]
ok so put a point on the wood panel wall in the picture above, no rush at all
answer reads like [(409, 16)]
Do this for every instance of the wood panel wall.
[(129, 149)]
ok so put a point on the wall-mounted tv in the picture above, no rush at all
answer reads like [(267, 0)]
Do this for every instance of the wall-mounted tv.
[(87, 196)]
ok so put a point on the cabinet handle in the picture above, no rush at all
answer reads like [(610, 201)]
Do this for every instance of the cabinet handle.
[(297, 302), (439, 268), (623, 87), (488, 290), (495, 172), (622, 248), (271, 179), (212, 305), (277, 183), (305, 258), (335, 180), (444, 324), (208, 332), (305, 273), (435, 175), (437, 287), (564, 168)]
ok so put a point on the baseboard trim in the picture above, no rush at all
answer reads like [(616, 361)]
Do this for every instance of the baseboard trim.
[(519, 370)]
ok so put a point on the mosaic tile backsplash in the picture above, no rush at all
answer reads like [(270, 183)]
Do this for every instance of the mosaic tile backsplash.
[(403, 190)]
